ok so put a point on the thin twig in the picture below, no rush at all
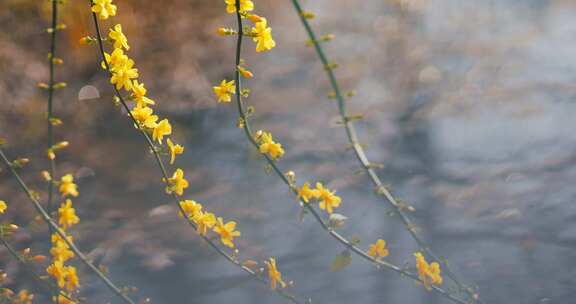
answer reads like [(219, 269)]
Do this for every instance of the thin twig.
[(352, 137), (247, 130), (50, 126)]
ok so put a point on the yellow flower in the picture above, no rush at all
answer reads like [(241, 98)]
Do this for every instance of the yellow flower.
[(71, 278), (58, 272), (225, 90), (190, 207), (269, 146), (429, 274), (175, 149), (378, 249), (104, 8), (144, 117), (67, 215), (57, 240), (162, 129), (226, 232), (117, 58), (61, 252), (305, 193), (204, 221), (263, 36), (3, 206), (23, 297), (274, 276), (435, 273), (177, 183), (67, 186), (120, 40), (139, 94), (123, 73), (245, 6), (328, 200)]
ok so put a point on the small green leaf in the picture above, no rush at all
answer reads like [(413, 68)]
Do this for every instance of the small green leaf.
[(341, 261), (355, 240)]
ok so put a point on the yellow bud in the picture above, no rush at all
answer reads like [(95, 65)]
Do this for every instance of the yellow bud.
[(57, 61), (255, 18), (39, 258), (59, 85), (42, 85), (50, 154), (61, 26), (308, 15), (331, 66), (85, 40), (291, 176), (55, 121), (21, 162), (46, 175), (240, 123), (222, 31), (60, 145), (245, 73), (327, 37)]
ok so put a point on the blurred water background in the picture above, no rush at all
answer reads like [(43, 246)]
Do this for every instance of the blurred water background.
[(468, 104)]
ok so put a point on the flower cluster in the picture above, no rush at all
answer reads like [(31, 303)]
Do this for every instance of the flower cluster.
[(261, 34), (206, 220), (65, 275), (327, 198), (268, 146), (124, 75), (429, 274)]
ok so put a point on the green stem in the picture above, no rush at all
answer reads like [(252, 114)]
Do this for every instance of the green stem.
[(46, 217), (247, 130), (50, 126), (352, 136)]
